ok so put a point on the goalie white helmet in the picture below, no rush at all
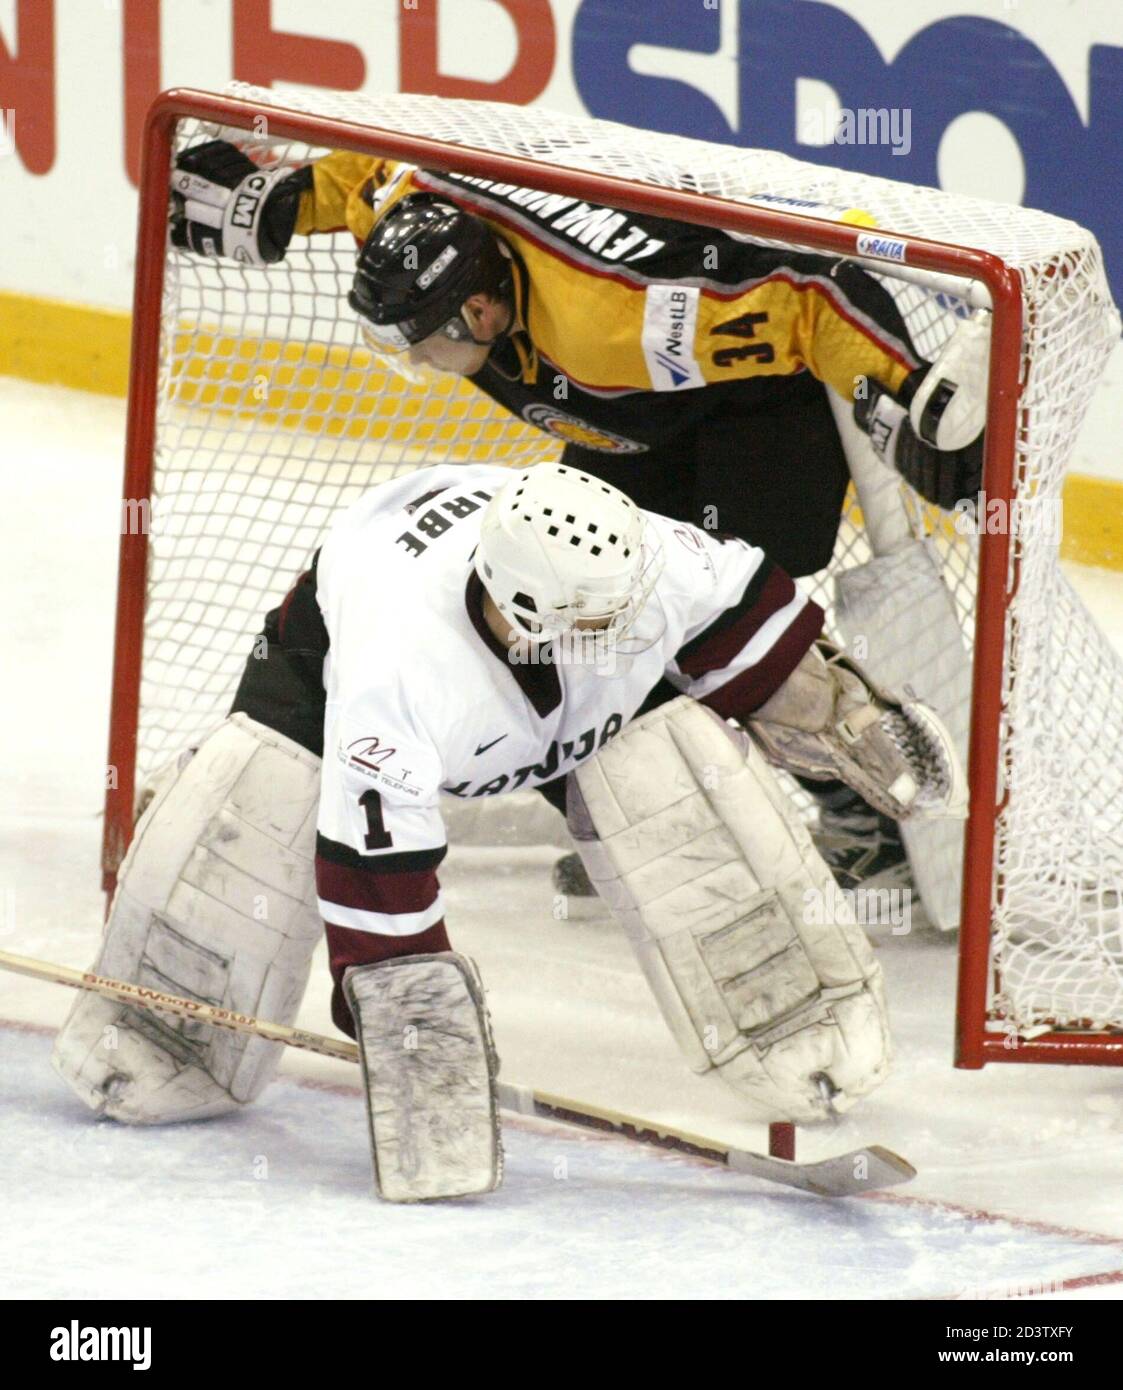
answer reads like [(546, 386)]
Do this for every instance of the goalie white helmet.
[(560, 550)]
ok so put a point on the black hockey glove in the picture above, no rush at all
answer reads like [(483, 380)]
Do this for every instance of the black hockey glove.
[(941, 476), (223, 204)]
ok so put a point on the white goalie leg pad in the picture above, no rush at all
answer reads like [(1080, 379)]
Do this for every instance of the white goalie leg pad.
[(216, 901), (755, 959), (429, 1068)]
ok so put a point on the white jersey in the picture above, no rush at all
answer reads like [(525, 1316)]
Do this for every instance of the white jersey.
[(422, 700)]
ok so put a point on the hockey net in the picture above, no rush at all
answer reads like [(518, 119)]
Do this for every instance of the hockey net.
[(257, 413)]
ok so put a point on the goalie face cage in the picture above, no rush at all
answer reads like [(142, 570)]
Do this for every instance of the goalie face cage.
[(255, 413)]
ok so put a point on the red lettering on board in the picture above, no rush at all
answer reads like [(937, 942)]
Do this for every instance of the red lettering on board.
[(264, 55), (140, 39), (418, 60), (27, 86)]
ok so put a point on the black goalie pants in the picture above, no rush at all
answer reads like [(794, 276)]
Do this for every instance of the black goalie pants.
[(773, 473)]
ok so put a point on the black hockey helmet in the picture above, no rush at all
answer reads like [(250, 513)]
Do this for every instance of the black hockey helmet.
[(404, 297)]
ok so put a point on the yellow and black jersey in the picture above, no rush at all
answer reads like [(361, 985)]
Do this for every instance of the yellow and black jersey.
[(630, 329)]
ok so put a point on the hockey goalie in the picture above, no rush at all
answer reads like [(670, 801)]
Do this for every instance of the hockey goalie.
[(467, 631)]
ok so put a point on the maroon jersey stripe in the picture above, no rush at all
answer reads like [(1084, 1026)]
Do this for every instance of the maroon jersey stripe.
[(411, 891), (737, 626), (750, 689)]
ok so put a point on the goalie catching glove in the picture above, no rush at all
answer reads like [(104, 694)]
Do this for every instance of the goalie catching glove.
[(830, 721), (223, 204)]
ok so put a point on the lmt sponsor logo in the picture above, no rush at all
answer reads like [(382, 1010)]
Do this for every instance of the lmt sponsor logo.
[(76, 1343)]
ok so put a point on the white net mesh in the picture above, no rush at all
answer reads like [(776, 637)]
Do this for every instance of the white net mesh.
[(273, 415)]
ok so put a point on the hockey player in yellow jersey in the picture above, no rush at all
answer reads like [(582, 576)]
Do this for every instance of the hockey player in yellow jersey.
[(677, 362), (674, 359)]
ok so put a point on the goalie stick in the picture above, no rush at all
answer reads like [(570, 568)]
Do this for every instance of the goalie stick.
[(846, 1175)]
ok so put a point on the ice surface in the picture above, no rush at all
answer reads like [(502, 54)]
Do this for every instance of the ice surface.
[(278, 1201), (94, 1209)]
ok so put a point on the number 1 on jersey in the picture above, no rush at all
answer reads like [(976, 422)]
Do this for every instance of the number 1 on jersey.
[(377, 836)]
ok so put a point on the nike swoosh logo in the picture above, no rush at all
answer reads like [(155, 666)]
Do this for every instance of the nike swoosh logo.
[(485, 746)]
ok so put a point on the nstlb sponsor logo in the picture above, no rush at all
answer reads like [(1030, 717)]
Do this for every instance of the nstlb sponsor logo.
[(670, 318)]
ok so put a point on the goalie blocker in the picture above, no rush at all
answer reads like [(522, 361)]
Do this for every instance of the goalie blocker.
[(429, 1069)]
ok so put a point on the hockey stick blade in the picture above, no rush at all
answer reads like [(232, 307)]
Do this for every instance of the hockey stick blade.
[(845, 1175)]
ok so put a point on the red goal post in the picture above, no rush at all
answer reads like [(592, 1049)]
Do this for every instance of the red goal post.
[(979, 1038)]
